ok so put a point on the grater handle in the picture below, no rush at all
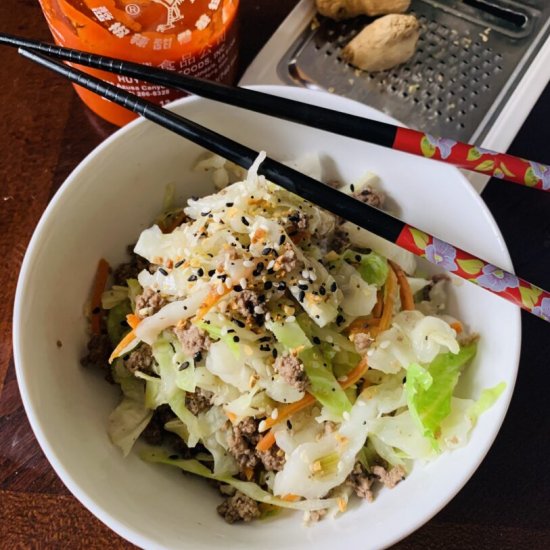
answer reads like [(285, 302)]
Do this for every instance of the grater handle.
[(476, 159)]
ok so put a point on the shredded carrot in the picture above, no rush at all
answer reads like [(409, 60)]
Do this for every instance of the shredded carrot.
[(457, 325), (389, 300), (101, 275), (211, 300), (127, 340), (268, 440), (362, 324), (377, 310), (232, 416), (290, 497), (405, 293), (133, 320)]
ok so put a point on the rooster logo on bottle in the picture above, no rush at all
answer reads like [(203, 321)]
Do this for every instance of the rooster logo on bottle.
[(173, 13)]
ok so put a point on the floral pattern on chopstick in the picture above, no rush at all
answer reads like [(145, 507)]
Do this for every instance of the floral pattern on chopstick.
[(462, 155), (477, 271)]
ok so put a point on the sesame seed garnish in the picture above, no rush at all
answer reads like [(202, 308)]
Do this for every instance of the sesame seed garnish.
[(281, 285), (184, 365), (238, 288), (322, 290), (220, 289), (275, 414), (333, 287), (339, 320), (192, 278), (163, 271), (236, 339), (290, 319), (245, 221), (239, 323), (352, 188), (179, 264), (266, 251), (264, 339), (229, 204), (248, 263), (197, 357), (282, 239), (303, 287), (200, 272), (316, 340), (242, 283), (274, 352), (268, 285), (301, 296)]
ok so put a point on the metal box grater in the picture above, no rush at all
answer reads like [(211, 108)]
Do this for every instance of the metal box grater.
[(470, 57)]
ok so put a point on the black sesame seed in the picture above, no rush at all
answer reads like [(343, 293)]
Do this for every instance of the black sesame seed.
[(236, 339), (205, 213), (163, 271), (200, 272), (281, 285), (301, 296), (211, 272), (316, 340), (268, 285), (352, 188), (259, 318), (184, 365), (192, 278), (197, 357), (274, 353), (270, 271), (265, 347), (238, 288), (245, 221), (333, 287), (239, 323), (96, 310), (282, 239), (357, 258), (303, 287), (179, 264), (230, 331), (229, 204), (265, 339), (261, 298), (266, 251), (339, 320)]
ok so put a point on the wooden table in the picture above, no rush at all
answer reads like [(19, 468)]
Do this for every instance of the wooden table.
[(45, 131)]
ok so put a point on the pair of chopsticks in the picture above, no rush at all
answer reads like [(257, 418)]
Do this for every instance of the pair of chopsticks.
[(451, 258)]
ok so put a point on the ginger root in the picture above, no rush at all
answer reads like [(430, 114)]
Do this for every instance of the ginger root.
[(345, 9), (385, 43)]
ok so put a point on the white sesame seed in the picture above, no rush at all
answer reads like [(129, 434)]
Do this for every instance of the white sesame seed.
[(342, 378), (275, 414), (302, 282), (305, 274), (242, 282), (270, 264), (290, 319), (248, 263), (346, 415), (258, 309), (312, 276), (262, 426), (220, 289), (268, 316)]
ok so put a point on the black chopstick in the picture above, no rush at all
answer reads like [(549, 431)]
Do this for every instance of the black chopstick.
[(462, 155), (415, 240)]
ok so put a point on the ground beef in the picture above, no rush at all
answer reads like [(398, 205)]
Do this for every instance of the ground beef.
[(199, 401), (154, 432), (361, 483), (339, 241), (287, 259), (239, 507), (140, 359), (99, 350), (273, 459), (362, 342), (149, 302), (370, 197), (292, 371), (248, 305), (192, 338), (297, 221), (242, 443), (389, 478), (131, 269), (242, 446)]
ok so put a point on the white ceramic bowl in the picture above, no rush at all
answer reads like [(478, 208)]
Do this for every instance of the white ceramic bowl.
[(115, 193)]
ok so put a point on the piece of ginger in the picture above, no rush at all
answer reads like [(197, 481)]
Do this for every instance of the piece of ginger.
[(385, 43), (344, 9)]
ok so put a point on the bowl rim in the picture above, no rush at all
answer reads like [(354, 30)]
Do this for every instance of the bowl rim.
[(118, 526)]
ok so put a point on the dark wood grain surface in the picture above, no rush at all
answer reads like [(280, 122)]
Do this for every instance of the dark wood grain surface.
[(45, 132)]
